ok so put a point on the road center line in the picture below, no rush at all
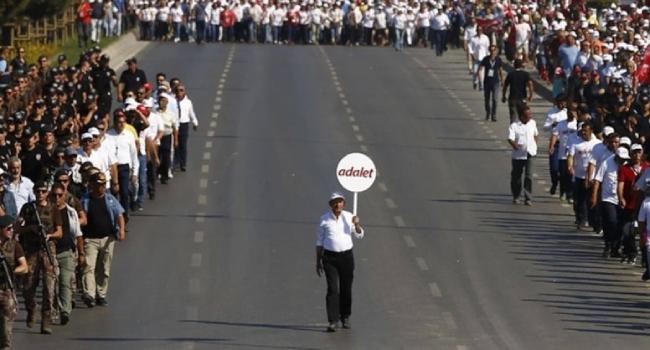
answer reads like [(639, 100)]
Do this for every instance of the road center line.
[(200, 217), (207, 155), (205, 168), (363, 148), (399, 221), (422, 264), (196, 260), (208, 144), (198, 236), (203, 183), (202, 200), (390, 203), (382, 187), (435, 291), (194, 285), (409, 241)]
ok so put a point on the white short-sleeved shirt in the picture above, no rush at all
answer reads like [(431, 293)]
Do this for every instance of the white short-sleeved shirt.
[(524, 136), (554, 116), (599, 153), (565, 132), (607, 175), (581, 153), (335, 234)]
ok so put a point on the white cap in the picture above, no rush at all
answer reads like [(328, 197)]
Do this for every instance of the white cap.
[(607, 57), (636, 147), (94, 131), (625, 141), (86, 136), (622, 153), (336, 195), (608, 130)]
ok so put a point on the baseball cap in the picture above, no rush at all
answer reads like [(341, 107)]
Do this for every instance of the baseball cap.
[(99, 178), (625, 141), (608, 130), (94, 131), (336, 195), (636, 147), (622, 153), (86, 136), (70, 151)]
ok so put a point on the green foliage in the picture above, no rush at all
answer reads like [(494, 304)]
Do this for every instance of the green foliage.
[(15, 10), (12, 9), (600, 4)]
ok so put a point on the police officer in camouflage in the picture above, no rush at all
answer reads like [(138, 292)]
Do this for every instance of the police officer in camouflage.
[(40, 265), (16, 265)]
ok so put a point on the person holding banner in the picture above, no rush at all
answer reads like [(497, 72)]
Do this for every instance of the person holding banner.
[(334, 256)]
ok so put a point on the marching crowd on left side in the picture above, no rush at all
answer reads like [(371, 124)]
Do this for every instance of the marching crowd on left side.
[(73, 168)]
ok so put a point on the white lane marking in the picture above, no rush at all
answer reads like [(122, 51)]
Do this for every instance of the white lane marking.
[(208, 144), (494, 137), (422, 264), (219, 92), (200, 217), (344, 102), (338, 88), (196, 259), (205, 168), (187, 345), (202, 200), (198, 236), (462, 347), (363, 148), (409, 241), (192, 313), (535, 175), (342, 96), (565, 205), (348, 110), (352, 119), (399, 221), (194, 286), (359, 137), (217, 107), (210, 133), (217, 99), (213, 124), (355, 128), (222, 80), (215, 115), (472, 114), (203, 183), (481, 123), (541, 182), (390, 203), (449, 320), (220, 86), (435, 291), (382, 187), (207, 155)]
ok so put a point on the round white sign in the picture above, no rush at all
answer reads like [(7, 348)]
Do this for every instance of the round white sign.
[(356, 172)]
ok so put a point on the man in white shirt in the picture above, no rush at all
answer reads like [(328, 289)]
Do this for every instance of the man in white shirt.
[(555, 115), (20, 186), (606, 182), (186, 116), (478, 48), (577, 163), (334, 256), (523, 34), (399, 22), (123, 146), (561, 137), (439, 25), (522, 136)]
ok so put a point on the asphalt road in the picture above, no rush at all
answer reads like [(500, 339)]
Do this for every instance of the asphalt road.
[(224, 257)]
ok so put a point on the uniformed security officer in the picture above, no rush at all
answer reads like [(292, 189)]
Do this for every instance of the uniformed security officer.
[(104, 78), (16, 265), (40, 265), (334, 256), (131, 79), (33, 156)]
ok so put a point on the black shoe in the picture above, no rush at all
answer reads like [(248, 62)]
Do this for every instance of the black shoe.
[(102, 302), (88, 300), (494, 119), (164, 182), (487, 117), (152, 196), (645, 276), (615, 254), (553, 189), (331, 327), (183, 169), (65, 318), (345, 323)]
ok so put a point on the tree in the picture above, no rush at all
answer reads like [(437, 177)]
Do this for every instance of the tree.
[(11, 10), (38, 9)]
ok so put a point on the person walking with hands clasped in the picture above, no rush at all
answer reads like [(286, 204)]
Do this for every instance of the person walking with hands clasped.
[(334, 256)]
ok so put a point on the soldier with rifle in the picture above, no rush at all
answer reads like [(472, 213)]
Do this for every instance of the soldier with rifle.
[(13, 263), (40, 225)]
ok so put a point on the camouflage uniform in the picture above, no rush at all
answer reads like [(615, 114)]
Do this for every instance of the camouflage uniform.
[(12, 252), (39, 264)]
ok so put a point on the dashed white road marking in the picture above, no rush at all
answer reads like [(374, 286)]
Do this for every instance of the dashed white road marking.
[(203, 183), (210, 133), (200, 217), (364, 148), (205, 168), (344, 102), (422, 264), (359, 137), (207, 155), (399, 221), (217, 107), (352, 119), (202, 200), (566, 205), (194, 285), (409, 241), (196, 260), (208, 144), (541, 182), (390, 203), (355, 128), (219, 92), (198, 236), (348, 110), (213, 124), (435, 291), (215, 115), (462, 347), (382, 187)]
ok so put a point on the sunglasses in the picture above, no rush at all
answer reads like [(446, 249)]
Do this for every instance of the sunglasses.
[(40, 191), (10, 227), (59, 194)]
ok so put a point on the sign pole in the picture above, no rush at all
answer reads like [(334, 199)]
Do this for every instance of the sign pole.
[(354, 204)]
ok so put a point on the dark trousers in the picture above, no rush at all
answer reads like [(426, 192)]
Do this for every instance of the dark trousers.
[(491, 96), (522, 167), (514, 107), (181, 148), (611, 232), (124, 180), (200, 31), (439, 41), (164, 153), (566, 180), (628, 233), (554, 166), (152, 177), (580, 205), (339, 270)]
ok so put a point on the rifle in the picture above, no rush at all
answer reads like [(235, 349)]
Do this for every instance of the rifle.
[(9, 279), (41, 231)]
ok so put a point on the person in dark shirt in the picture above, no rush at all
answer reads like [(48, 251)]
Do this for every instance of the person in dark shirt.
[(34, 157), (492, 69), (521, 90), (131, 79), (103, 79)]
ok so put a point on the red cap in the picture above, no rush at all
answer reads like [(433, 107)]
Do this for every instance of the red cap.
[(142, 109), (147, 86)]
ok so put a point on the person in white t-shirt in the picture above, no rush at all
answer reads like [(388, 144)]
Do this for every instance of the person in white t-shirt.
[(522, 137), (523, 34), (468, 34), (606, 183), (399, 22), (562, 136), (478, 48), (177, 16), (577, 163)]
